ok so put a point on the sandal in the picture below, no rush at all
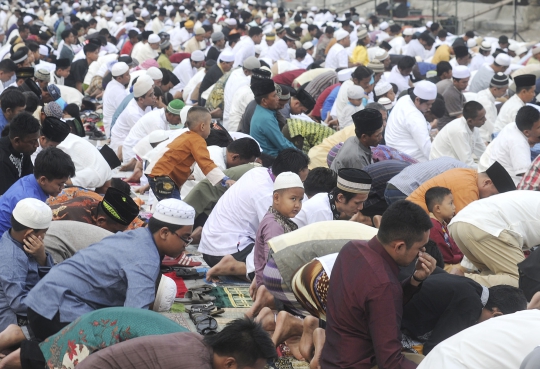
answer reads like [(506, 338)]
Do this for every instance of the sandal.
[(203, 288), (182, 261), (206, 325), (192, 297), (212, 311), (183, 272)]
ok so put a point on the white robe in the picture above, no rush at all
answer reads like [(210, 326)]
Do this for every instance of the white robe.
[(400, 81), (237, 80), (316, 209), (184, 71), (278, 51), (114, 94), (486, 98), (508, 113), (125, 122), (243, 50), (144, 53), (337, 57), (242, 98)]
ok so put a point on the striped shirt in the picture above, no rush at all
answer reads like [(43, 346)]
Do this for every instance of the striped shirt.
[(380, 173)]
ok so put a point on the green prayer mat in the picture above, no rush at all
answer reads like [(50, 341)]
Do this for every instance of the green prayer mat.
[(232, 296)]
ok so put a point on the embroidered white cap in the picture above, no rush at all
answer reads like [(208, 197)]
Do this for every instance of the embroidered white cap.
[(33, 213), (287, 180), (174, 211)]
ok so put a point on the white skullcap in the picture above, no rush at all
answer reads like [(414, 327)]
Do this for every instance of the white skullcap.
[(307, 45), (258, 49), (408, 32), (287, 180), (158, 136), (426, 90), (154, 73), (461, 71), (76, 6), (43, 50), (239, 4), (382, 87), (485, 45), (144, 84), (429, 23), (27, 19), (355, 92), (108, 15), (91, 31), (33, 213), (471, 42), (145, 13), (230, 21), (119, 68), (345, 74), (383, 26), (513, 47), (173, 211), (119, 18), (521, 50), (165, 294), (340, 34), (197, 56), (226, 56), (386, 102), (184, 112), (314, 9), (502, 59), (153, 39)]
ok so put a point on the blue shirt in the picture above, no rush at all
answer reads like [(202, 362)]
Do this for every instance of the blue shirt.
[(121, 108), (265, 130), (329, 102), (120, 270), (19, 273), (25, 187), (3, 120)]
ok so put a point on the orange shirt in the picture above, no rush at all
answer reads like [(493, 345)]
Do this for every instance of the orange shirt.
[(181, 153), (462, 182)]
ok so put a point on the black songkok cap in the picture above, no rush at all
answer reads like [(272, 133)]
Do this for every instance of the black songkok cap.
[(367, 120), (500, 178), (119, 206), (261, 83), (354, 180), (54, 129)]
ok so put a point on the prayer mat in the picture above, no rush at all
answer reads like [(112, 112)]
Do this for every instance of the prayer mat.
[(232, 296)]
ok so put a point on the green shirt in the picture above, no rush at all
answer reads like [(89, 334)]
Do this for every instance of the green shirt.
[(164, 62)]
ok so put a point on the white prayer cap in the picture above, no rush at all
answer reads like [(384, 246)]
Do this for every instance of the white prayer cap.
[(513, 47), (226, 56), (157, 136), (230, 21), (108, 15), (314, 9), (76, 6), (521, 50), (461, 71), (239, 4), (258, 49), (386, 102), (355, 92), (43, 50), (91, 31), (345, 74), (33, 213), (145, 13), (383, 26), (173, 211), (408, 32), (382, 87), (429, 23), (144, 84), (27, 19), (501, 59), (153, 39), (307, 45), (471, 42), (288, 180), (119, 68), (154, 73), (340, 34), (197, 56), (485, 46), (119, 18), (426, 90), (165, 294)]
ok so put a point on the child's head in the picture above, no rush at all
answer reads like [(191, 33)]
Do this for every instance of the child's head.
[(384, 89), (30, 216), (52, 169), (198, 121), (288, 194), (440, 202), (355, 95)]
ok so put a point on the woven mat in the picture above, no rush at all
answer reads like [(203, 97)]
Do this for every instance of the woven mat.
[(232, 296)]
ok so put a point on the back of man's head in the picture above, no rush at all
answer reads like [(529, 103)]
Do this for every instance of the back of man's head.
[(290, 160), (404, 221), (22, 125), (471, 109), (443, 67), (7, 66), (53, 163), (507, 299), (406, 62), (12, 98), (526, 117), (32, 101), (320, 180), (246, 148)]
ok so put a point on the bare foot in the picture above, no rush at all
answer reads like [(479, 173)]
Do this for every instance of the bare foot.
[(377, 221), (253, 289), (319, 336), (287, 326), (12, 361), (227, 266), (11, 336), (294, 345), (535, 302), (196, 235), (267, 319), (263, 299), (306, 342)]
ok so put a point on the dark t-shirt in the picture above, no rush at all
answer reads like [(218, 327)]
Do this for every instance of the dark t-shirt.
[(13, 165), (77, 74)]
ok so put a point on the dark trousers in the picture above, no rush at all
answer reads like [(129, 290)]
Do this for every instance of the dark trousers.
[(212, 260), (392, 194)]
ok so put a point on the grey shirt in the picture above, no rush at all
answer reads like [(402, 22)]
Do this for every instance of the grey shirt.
[(353, 154), (482, 79), (453, 101)]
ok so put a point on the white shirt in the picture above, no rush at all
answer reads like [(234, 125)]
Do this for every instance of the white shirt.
[(408, 131), (508, 112), (397, 44), (316, 209), (144, 53), (217, 154), (148, 123), (157, 25), (243, 50), (126, 120), (237, 80), (193, 82), (328, 262), (184, 71), (486, 98), (415, 48), (399, 80), (456, 140), (345, 115), (233, 223), (342, 98), (91, 168), (501, 342), (478, 60), (114, 94), (308, 60), (278, 51), (337, 57), (241, 100), (511, 149)]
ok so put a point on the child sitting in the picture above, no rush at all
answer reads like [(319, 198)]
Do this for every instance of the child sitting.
[(355, 95), (24, 260), (383, 89), (174, 166), (440, 203)]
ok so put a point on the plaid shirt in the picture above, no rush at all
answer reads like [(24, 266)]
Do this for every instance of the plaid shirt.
[(531, 179)]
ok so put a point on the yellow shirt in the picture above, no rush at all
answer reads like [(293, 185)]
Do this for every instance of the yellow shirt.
[(318, 154), (441, 54), (360, 55)]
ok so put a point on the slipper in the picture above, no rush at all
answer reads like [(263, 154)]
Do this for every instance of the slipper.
[(196, 310), (206, 325), (182, 261), (204, 288), (184, 273), (190, 276), (194, 298)]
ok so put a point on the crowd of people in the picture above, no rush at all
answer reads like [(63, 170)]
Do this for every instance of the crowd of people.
[(376, 183)]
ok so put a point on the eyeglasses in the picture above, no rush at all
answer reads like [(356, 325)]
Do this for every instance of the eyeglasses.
[(187, 242)]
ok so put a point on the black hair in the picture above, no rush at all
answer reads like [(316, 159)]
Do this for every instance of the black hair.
[(442, 33), (90, 48), (166, 76), (245, 147), (73, 111), (16, 226), (406, 62), (434, 26), (244, 340), (12, 98), (255, 31), (329, 30), (121, 185), (522, 88), (426, 37), (395, 28), (92, 21), (443, 67), (471, 109), (320, 180), (32, 101), (406, 221), (435, 196), (53, 163), (507, 299), (22, 125), (289, 160), (297, 18), (301, 53), (105, 32), (312, 27), (155, 225), (65, 33), (7, 66), (362, 72), (347, 195), (132, 34), (526, 117), (469, 34), (23, 28), (33, 46)]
